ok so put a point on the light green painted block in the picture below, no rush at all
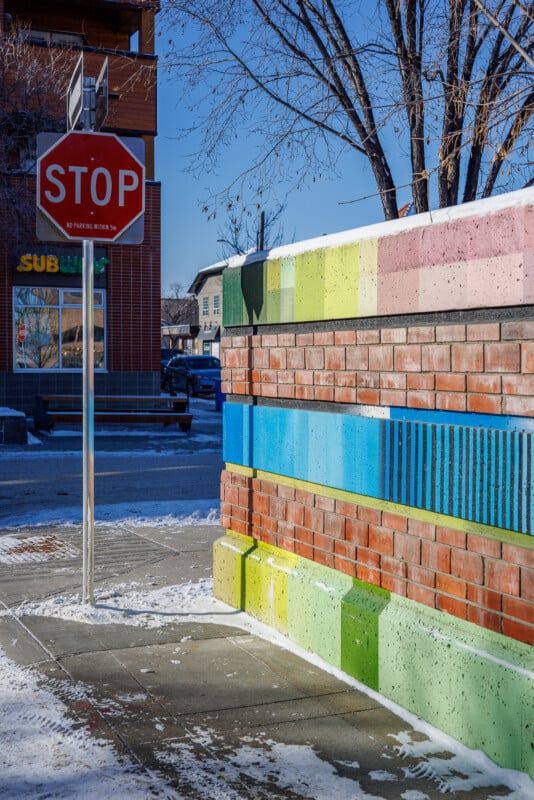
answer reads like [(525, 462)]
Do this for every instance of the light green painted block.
[(315, 597), (329, 591), (273, 270), (287, 289), (300, 604), (287, 272), (368, 278), (472, 683), (341, 268), (309, 286), (266, 576), (229, 554), (273, 277), (360, 619)]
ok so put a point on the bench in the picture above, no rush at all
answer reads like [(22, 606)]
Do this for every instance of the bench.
[(114, 408)]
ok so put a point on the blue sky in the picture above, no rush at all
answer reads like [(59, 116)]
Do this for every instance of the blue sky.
[(189, 241), (189, 238)]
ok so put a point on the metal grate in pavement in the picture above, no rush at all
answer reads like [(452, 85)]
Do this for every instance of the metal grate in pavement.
[(22, 549)]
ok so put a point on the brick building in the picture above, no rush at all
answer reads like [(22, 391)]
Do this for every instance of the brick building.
[(41, 281)]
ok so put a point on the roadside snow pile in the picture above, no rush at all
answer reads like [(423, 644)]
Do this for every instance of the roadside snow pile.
[(155, 513)]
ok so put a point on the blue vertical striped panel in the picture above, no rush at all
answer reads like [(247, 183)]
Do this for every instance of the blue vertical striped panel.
[(475, 473), (472, 472)]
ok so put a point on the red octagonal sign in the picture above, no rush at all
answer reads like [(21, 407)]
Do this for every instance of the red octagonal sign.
[(90, 186)]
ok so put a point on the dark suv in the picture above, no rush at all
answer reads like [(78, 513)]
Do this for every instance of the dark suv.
[(192, 374), (166, 354)]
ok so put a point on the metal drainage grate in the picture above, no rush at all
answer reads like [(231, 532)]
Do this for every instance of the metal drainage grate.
[(23, 549)]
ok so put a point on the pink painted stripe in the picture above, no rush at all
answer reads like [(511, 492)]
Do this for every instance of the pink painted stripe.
[(485, 283), (507, 231)]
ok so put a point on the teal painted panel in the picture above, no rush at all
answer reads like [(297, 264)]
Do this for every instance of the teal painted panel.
[(336, 450), (233, 307)]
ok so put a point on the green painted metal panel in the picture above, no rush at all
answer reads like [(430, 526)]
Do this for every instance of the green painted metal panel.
[(229, 554), (472, 683), (254, 288), (233, 307), (360, 615)]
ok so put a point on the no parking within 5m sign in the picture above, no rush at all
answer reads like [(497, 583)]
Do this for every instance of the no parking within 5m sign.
[(90, 186)]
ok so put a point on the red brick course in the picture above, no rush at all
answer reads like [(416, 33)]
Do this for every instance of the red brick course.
[(485, 368), (473, 577)]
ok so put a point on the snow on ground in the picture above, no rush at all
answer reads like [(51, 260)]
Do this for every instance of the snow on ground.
[(133, 514), (46, 755), (32, 714)]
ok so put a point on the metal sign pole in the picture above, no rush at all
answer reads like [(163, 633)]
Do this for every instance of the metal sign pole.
[(88, 423)]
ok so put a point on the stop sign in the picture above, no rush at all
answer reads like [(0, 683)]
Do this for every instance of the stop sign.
[(90, 186)]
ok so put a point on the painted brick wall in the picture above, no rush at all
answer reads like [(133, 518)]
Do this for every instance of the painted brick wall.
[(417, 475), (474, 577)]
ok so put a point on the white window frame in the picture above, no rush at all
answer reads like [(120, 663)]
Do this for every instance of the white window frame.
[(100, 304)]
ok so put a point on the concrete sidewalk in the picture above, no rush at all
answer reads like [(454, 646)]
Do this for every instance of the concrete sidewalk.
[(211, 694)]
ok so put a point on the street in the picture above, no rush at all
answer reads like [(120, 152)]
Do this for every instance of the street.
[(151, 463)]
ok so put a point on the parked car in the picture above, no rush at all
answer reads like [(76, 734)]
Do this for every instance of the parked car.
[(166, 354), (192, 374)]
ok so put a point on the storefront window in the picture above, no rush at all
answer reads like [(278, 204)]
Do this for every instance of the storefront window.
[(49, 328)]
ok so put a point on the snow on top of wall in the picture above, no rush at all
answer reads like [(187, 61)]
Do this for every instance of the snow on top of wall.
[(478, 208)]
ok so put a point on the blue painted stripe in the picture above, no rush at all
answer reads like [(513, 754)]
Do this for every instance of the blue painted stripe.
[(469, 472)]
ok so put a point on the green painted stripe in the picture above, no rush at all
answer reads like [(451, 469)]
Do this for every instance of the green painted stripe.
[(337, 282), (421, 515), (473, 683)]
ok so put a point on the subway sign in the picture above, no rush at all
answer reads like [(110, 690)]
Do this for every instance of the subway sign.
[(57, 263)]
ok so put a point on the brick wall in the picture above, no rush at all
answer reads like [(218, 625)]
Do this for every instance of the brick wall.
[(473, 577), (485, 367), (418, 474), (379, 440)]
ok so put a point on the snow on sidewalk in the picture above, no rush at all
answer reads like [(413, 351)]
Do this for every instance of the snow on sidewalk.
[(44, 754)]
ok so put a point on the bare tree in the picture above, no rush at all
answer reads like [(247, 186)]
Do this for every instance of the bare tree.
[(178, 307), (430, 93), (245, 230), (33, 83)]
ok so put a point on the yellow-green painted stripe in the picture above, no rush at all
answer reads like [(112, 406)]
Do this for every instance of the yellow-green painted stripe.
[(421, 515)]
